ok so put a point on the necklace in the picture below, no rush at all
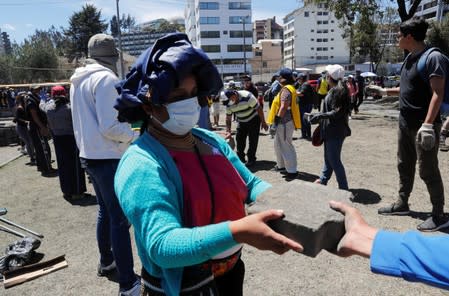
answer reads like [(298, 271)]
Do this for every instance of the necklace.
[(175, 142)]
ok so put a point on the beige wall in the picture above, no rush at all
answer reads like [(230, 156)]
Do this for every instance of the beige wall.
[(271, 59)]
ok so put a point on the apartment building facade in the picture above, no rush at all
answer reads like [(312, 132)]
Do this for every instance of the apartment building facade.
[(223, 29), (434, 10), (267, 29), (312, 36), (134, 43)]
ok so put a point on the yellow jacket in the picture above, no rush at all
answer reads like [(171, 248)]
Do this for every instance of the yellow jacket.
[(294, 107)]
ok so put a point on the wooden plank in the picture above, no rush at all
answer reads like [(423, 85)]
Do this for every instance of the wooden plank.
[(30, 272)]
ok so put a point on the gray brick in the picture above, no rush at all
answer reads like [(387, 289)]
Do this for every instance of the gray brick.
[(308, 218)]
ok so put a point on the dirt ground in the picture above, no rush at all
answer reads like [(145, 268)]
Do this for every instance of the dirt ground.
[(369, 156)]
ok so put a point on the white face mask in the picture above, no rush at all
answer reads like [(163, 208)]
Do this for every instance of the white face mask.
[(184, 115)]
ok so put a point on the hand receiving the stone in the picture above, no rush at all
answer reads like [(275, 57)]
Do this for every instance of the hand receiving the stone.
[(359, 236), (254, 231)]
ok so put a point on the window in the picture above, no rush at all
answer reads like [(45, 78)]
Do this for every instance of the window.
[(240, 5), (258, 53), (225, 32), (306, 14), (321, 40), (312, 30), (208, 6), (264, 64), (239, 48), (240, 19), (322, 57), (210, 34), (311, 48), (211, 48), (312, 39), (238, 34), (209, 20)]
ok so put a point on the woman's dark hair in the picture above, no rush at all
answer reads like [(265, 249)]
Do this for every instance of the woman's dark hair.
[(416, 26)]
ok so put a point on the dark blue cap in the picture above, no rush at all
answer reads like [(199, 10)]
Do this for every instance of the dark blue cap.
[(286, 73)]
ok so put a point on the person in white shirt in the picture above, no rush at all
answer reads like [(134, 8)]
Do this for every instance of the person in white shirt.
[(102, 140)]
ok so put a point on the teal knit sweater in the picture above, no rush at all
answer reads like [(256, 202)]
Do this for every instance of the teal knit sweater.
[(149, 189)]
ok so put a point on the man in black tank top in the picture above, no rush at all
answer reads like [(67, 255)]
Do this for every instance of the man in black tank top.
[(419, 124)]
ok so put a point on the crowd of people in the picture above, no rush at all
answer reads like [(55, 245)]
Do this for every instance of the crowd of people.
[(184, 189)]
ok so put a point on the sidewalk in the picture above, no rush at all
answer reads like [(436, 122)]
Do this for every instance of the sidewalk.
[(8, 154)]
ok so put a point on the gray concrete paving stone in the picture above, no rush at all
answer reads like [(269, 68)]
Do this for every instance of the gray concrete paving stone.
[(308, 218)]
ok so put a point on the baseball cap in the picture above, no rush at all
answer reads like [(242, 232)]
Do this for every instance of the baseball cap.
[(58, 90), (228, 93), (246, 78), (102, 46), (286, 73), (336, 72)]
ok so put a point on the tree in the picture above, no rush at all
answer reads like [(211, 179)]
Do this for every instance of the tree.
[(36, 60), (83, 25), (113, 26), (127, 23), (438, 35)]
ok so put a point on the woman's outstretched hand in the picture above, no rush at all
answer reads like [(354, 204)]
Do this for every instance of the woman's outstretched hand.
[(254, 231), (359, 236)]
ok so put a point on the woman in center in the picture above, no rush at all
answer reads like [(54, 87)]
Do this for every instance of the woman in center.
[(182, 188)]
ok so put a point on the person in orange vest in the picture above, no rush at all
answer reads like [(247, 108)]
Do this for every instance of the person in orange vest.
[(284, 117)]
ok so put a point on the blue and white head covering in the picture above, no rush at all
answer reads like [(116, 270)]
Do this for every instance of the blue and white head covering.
[(159, 70)]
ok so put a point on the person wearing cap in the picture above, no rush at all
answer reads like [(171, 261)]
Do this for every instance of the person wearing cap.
[(334, 127), (39, 132), (72, 179), (305, 97), (284, 117), (353, 88), (102, 140), (321, 88), (183, 188), (250, 119)]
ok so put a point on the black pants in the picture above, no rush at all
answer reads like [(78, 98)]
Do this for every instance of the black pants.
[(229, 284), (72, 178), (408, 153), (250, 130), (359, 101), (43, 152), (319, 99)]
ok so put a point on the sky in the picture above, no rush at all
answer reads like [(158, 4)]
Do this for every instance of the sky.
[(21, 18)]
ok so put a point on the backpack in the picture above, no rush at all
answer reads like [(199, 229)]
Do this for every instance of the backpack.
[(425, 76)]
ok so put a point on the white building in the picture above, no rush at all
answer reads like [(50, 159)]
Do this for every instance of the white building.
[(218, 28), (312, 36), (432, 9)]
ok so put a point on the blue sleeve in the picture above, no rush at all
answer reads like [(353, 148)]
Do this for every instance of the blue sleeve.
[(150, 199), (412, 256)]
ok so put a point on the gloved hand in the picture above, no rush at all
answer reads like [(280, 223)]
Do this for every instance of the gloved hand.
[(426, 136), (315, 118), (273, 129), (376, 90)]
